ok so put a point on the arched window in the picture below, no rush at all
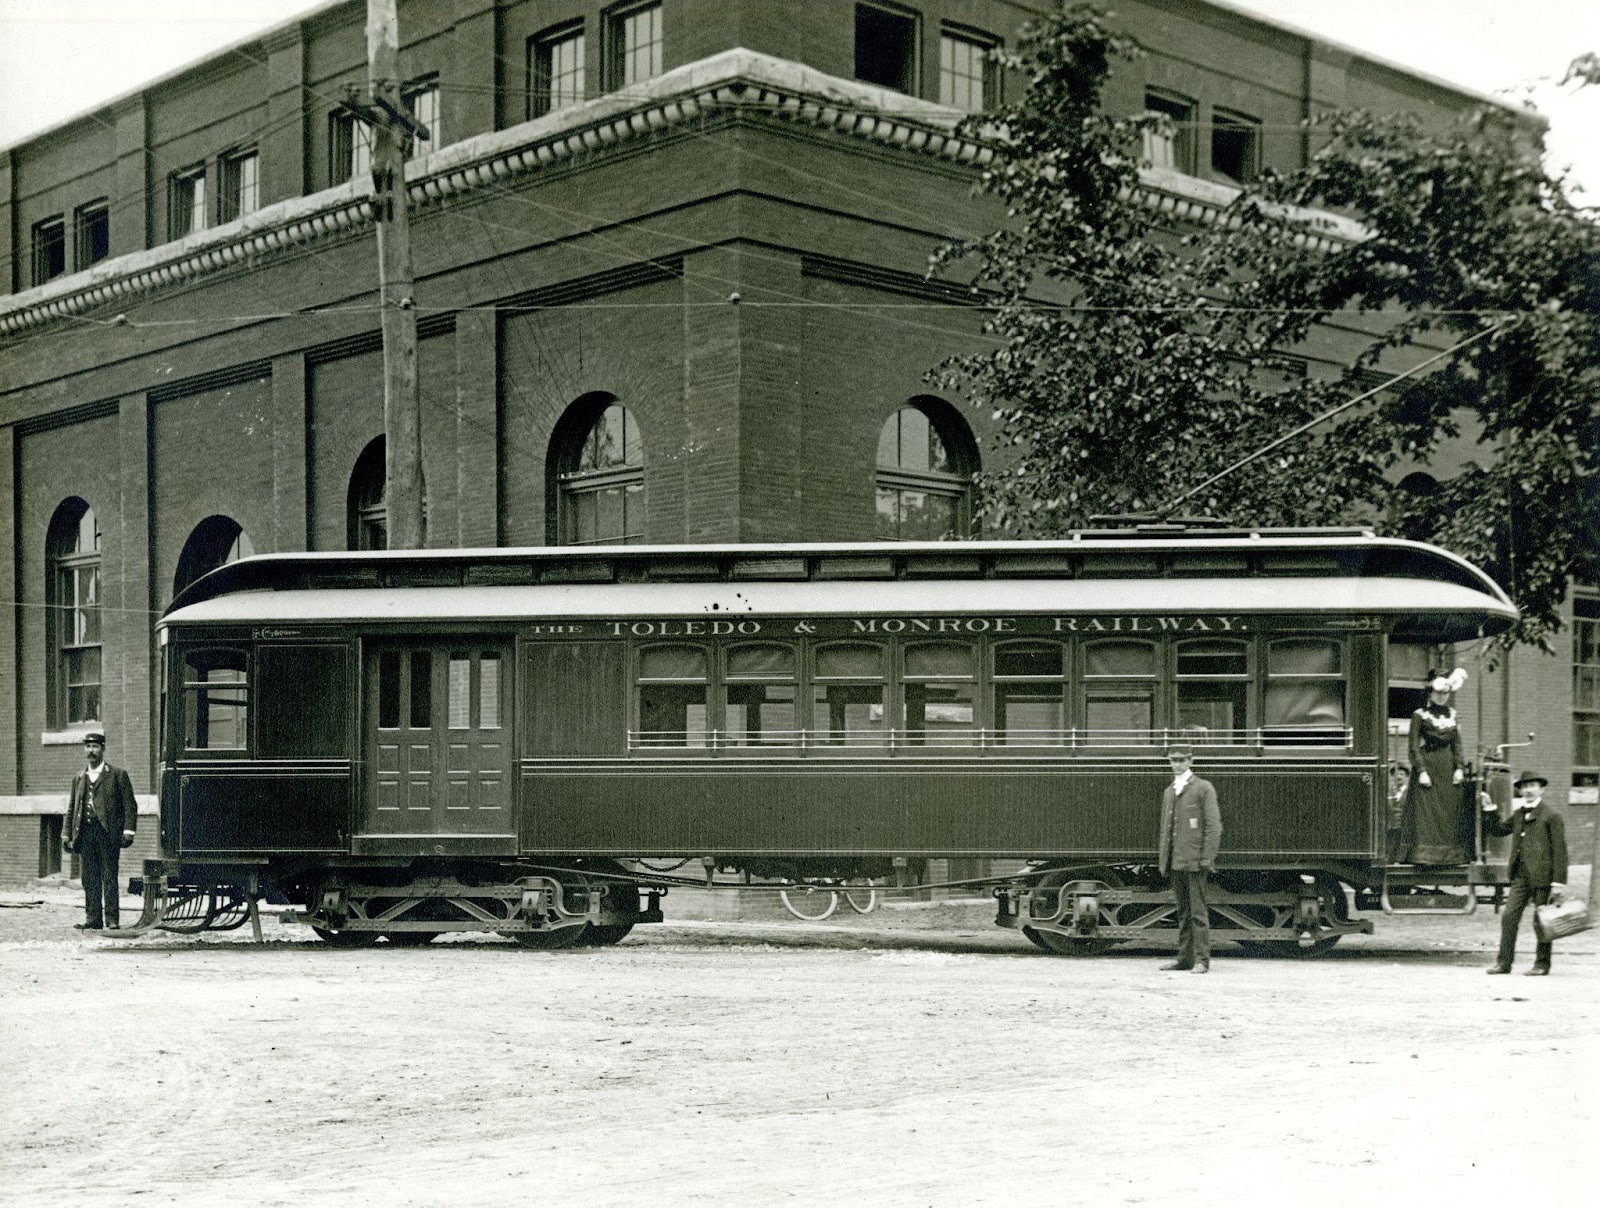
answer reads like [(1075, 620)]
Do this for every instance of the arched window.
[(367, 513), (926, 459), (73, 584), (597, 476), (215, 542)]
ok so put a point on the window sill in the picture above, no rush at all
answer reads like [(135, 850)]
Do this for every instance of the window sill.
[(68, 738)]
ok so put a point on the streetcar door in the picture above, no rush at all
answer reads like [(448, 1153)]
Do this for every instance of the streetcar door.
[(437, 738)]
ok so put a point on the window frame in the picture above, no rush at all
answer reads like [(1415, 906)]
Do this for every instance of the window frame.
[(541, 73), (412, 92), (1274, 735), (97, 213), (1184, 114), (1586, 695), (990, 78), (910, 82), (575, 486), (619, 55), (66, 563), (190, 690), (349, 147), (1049, 737), (1239, 734), (898, 479), (238, 184), (187, 204), (1228, 123), (1157, 680), (49, 235)]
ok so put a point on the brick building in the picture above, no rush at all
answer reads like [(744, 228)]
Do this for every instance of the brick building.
[(669, 262)]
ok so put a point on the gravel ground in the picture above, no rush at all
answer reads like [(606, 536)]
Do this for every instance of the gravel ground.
[(914, 1056)]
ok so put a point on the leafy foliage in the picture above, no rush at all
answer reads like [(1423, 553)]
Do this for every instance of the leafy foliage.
[(1138, 356)]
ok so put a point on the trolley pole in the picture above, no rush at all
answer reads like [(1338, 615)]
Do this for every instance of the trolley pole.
[(391, 129)]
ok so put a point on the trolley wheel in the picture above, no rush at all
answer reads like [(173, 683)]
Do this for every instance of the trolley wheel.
[(863, 899), (1072, 945), (411, 939), (553, 940), (347, 939), (809, 902), (1036, 939)]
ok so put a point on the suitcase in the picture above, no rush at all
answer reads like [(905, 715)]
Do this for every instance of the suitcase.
[(1569, 918)]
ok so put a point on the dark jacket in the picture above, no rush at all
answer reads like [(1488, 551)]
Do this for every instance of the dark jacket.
[(1538, 844), (121, 808), (1192, 843)]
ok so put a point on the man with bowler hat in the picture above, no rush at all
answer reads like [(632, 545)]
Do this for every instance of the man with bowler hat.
[(1191, 833), (1538, 865), (101, 820)]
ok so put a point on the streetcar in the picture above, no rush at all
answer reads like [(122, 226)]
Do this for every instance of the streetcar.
[(409, 743)]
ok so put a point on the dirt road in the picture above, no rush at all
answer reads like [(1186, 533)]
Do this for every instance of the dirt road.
[(917, 1056)]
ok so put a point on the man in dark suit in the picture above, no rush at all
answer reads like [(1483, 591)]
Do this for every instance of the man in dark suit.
[(1538, 865), (1191, 833), (102, 817)]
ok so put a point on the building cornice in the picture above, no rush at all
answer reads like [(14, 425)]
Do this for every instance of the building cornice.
[(738, 81)]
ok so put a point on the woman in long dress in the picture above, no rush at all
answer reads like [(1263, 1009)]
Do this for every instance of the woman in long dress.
[(1435, 821)]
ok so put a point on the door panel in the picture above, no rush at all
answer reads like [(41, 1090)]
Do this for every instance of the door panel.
[(437, 731)]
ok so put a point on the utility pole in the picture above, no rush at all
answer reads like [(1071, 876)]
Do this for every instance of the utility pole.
[(391, 129)]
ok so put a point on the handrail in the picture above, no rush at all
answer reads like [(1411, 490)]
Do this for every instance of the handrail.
[(1316, 737)]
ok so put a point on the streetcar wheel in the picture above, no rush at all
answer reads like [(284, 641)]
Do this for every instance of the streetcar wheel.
[(1036, 939), (1073, 945), (809, 902), (863, 899), (411, 939), (347, 939), (553, 940)]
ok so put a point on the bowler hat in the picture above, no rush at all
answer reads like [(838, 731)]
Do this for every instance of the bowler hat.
[(1531, 778), (98, 736)]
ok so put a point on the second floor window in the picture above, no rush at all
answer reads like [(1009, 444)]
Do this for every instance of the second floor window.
[(349, 148), (422, 101), (1586, 691), (555, 70), (49, 249), (240, 185), (1235, 146), (187, 211), (967, 78), (886, 47), (1170, 145), (635, 37), (91, 229), (602, 493)]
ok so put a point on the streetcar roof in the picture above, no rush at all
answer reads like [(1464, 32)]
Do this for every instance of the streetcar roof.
[(1146, 570), (1444, 611)]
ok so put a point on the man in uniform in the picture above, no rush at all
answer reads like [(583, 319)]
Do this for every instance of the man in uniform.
[(1191, 833), (1538, 866), (101, 820)]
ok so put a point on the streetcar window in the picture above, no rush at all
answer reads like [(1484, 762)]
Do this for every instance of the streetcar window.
[(216, 700), (1119, 696), (1030, 693), (421, 689), (302, 701), (673, 690), (1212, 686), (458, 691), (1304, 702), (760, 702), (466, 669), (389, 690), (846, 713), (489, 691), (938, 691)]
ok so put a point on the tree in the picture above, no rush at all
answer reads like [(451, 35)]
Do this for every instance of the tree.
[(1138, 358)]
